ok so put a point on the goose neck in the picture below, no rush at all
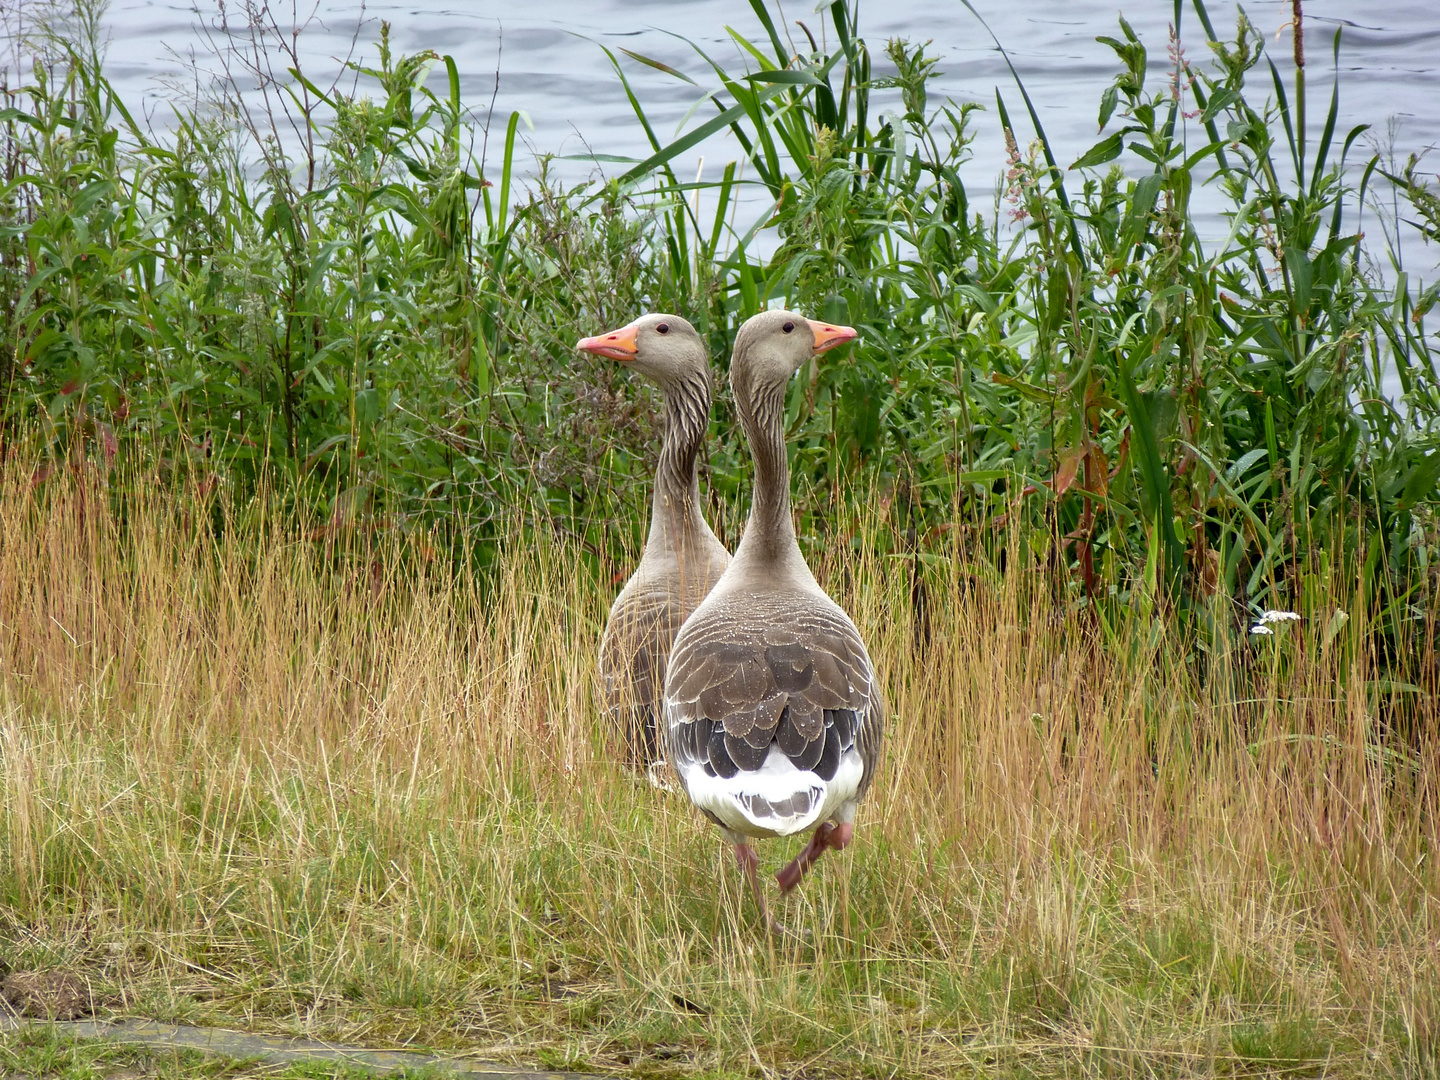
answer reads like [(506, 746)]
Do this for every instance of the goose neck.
[(770, 533), (675, 513)]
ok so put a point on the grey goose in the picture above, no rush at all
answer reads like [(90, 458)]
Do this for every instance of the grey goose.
[(772, 712), (683, 558)]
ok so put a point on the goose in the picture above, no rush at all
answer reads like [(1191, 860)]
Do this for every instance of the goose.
[(772, 710), (682, 557)]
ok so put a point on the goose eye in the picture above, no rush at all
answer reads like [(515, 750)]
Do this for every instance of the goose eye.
[(789, 326), (662, 328)]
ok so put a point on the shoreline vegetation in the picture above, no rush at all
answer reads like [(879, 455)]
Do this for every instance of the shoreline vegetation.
[(309, 519)]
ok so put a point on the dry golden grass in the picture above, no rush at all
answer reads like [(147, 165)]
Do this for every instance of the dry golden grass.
[(249, 778)]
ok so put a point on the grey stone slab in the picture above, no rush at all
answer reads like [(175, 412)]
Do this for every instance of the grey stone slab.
[(276, 1049)]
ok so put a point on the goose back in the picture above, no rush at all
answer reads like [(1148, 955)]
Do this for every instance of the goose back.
[(772, 711)]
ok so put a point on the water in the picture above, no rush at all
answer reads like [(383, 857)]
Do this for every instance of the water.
[(549, 64)]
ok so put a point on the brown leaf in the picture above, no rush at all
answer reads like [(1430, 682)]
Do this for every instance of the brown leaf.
[(1069, 468), (1098, 476), (107, 440)]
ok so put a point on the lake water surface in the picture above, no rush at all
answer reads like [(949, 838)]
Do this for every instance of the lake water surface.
[(549, 64)]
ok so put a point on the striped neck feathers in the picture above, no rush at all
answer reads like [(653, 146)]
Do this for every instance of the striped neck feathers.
[(769, 534), (675, 514)]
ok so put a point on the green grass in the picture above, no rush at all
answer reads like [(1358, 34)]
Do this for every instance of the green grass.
[(613, 938)]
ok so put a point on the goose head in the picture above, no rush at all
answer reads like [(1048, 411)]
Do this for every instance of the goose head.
[(774, 345), (665, 348)]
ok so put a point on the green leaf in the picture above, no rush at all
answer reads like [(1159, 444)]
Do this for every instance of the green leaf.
[(1221, 100), (7, 115), (1137, 214), (1421, 486), (1031, 392), (1298, 263), (1152, 471), (303, 81), (788, 78), (1242, 466), (1108, 101), (698, 135), (1164, 413), (762, 12), (1103, 151), (658, 66)]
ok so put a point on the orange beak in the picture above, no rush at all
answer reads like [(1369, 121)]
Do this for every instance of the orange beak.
[(617, 345), (828, 336)]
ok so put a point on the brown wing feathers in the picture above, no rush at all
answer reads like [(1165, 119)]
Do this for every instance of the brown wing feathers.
[(633, 655), (738, 696)]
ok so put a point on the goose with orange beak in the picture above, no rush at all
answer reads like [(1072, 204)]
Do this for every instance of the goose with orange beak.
[(683, 558), (772, 710)]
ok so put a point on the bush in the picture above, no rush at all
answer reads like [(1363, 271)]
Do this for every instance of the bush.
[(380, 337)]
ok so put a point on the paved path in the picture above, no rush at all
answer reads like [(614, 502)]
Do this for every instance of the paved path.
[(275, 1049)]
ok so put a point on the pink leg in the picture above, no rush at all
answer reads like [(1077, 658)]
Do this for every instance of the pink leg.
[(747, 858), (824, 838)]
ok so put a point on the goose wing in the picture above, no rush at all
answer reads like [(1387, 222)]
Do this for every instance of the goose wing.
[(768, 710), (632, 663)]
